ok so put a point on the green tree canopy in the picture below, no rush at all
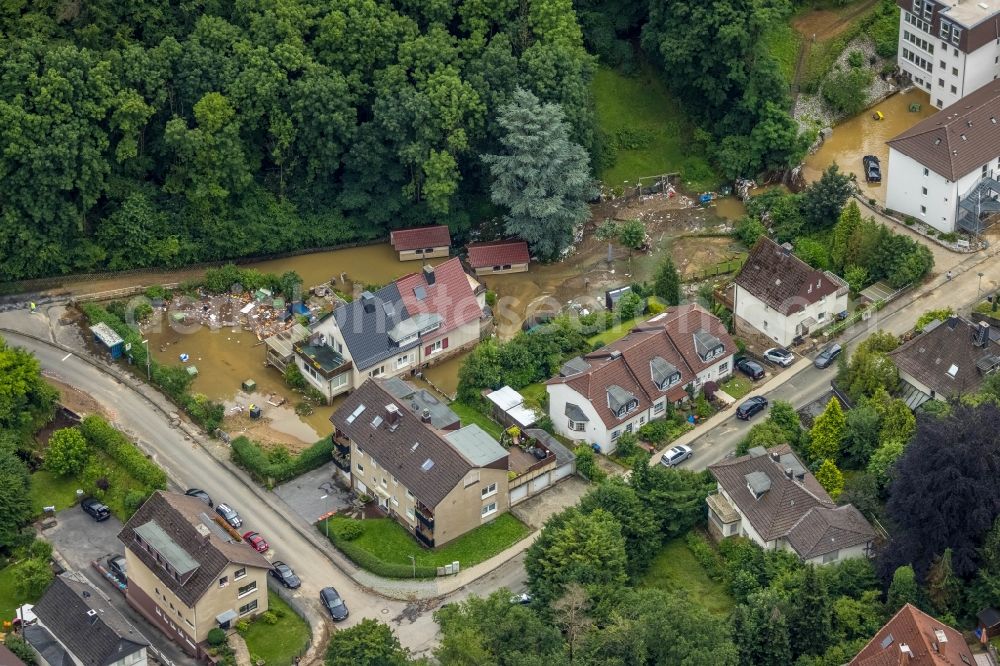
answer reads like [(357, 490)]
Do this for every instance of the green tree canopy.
[(26, 400), (67, 453), (827, 432), (831, 478), (667, 282), (368, 643)]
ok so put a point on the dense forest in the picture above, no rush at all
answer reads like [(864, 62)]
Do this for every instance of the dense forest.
[(140, 133)]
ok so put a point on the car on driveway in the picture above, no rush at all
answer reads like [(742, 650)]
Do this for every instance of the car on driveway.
[(97, 511), (522, 599), (675, 456), (333, 602), (779, 356), (200, 494), (256, 541), (751, 369), (118, 568), (229, 515), (285, 575), (751, 407), (873, 169), (826, 357)]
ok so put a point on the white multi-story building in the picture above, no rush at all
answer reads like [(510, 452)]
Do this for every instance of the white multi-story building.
[(943, 171), (949, 49)]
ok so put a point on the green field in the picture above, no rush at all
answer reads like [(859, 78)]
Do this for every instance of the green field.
[(737, 386), (676, 570), (47, 489), (642, 105), (783, 42), (278, 644)]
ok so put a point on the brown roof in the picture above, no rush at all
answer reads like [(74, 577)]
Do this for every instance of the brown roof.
[(959, 138), (929, 357), (498, 253), (189, 523), (451, 295), (781, 280), (421, 237), (930, 643), (406, 449), (824, 530), (625, 363)]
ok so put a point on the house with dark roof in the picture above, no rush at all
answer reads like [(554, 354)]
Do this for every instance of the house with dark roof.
[(779, 297), (943, 171), (623, 385), (771, 498), (418, 320), (421, 242), (78, 626), (914, 638), (188, 573), (507, 256), (949, 359)]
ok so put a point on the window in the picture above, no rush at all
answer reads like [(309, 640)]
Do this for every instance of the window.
[(917, 22), (248, 608), (628, 428), (240, 573), (224, 581), (374, 464), (395, 502), (659, 407), (189, 623), (923, 210), (488, 491), (724, 367), (434, 347), (409, 514), (642, 419), (615, 434), (821, 316), (941, 82), (942, 65), (954, 71), (249, 588), (360, 468), (488, 509), (985, 169), (926, 171), (339, 380), (831, 557), (409, 495), (924, 190), (376, 372), (939, 104), (917, 41), (402, 361), (385, 482), (954, 90), (577, 426), (765, 325), (394, 481)]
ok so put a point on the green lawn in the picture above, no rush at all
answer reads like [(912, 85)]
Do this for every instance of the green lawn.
[(642, 106), (9, 600), (534, 394), (47, 489), (737, 386), (278, 644), (387, 541), (783, 42), (676, 570), (469, 414)]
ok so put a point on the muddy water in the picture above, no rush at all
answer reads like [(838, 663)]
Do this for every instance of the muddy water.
[(862, 135), (730, 208)]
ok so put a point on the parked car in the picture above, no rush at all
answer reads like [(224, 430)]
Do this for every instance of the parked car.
[(751, 369), (523, 599), (118, 568), (873, 169), (229, 515), (676, 455), (332, 602), (779, 356), (285, 575), (200, 494), (97, 511), (256, 541), (751, 407), (827, 356)]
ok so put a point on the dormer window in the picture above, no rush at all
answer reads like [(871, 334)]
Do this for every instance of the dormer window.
[(620, 401), (708, 346), (664, 374)]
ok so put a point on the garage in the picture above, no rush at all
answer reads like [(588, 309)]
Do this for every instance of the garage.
[(518, 494), (561, 472), (539, 483)]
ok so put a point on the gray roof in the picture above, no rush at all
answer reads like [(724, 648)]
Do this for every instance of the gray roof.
[(825, 530), (562, 454), (47, 646), (945, 359), (705, 343), (419, 400), (77, 614), (574, 366), (171, 551), (662, 370), (418, 323), (574, 413), (366, 333), (758, 482), (106, 334), (619, 397), (476, 445)]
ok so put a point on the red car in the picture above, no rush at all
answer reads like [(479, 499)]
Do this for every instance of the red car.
[(256, 541)]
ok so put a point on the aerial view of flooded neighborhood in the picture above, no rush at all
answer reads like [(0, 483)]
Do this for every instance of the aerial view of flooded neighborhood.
[(589, 332)]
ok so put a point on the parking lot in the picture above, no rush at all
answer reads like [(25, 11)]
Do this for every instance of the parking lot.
[(305, 494)]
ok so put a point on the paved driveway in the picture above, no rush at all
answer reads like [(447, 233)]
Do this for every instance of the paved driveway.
[(305, 494), (536, 510)]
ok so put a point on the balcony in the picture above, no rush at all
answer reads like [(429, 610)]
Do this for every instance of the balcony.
[(342, 461), (423, 537), (425, 520)]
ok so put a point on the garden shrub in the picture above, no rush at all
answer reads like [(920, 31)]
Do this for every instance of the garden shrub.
[(706, 555), (251, 457), (104, 437), (20, 648), (586, 464), (267, 617), (845, 92), (348, 531), (216, 637), (40, 550)]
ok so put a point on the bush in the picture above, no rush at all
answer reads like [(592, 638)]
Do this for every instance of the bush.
[(134, 499), (586, 464), (242, 626), (294, 377), (909, 221), (628, 445), (948, 237), (251, 457), (348, 531), (491, 298), (40, 550), (216, 637), (707, 557), (34, 577), (156, 291), (103, 437), (856, 59), (655, 432), (67, 453), (845, 92), (20, 648), (267, 617)]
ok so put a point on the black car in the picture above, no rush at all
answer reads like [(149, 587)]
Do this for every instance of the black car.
[(827, 356), (751, 407), (873, 169), (285, 575), (118, 568), (200, 494), (751, 369), (333, 603), (229, 514), (97, 511)]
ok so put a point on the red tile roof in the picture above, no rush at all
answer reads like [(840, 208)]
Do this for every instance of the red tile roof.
[(421, 237), (499, 253), (451, 296), (922, 634)]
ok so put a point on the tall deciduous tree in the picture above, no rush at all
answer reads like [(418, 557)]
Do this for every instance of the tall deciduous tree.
[(667, 282), (26, 400), (810, 617), (676, 496), (760, 631), (15, 502), (861, 436), (368, 643), (823, 200), (541, 177), (638, 522)]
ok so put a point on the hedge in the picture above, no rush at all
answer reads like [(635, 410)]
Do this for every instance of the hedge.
[(377, 566), (104, 437), (250, 456)]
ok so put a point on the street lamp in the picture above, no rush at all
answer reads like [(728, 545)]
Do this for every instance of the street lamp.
[(327, 515), (413, 561), (149, 373), (979, 291)]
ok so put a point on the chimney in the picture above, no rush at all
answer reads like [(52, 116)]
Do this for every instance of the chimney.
[(368, 301), (789, 473), (425, 416), (981, 337), (392, 416), (429, 274), (775, 456)]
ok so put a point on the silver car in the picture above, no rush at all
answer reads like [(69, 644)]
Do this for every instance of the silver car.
[(675, 456), (779, 356)]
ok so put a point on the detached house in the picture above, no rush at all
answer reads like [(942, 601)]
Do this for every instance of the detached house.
[(187, 572), (618, 388), (771, 498), (421, 243), (509, 256), (780, 297), (914, 638), (414, 322)]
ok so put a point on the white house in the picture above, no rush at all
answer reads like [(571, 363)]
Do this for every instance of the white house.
[(781, 297), (949, 49), (620, 387), (943, 170), (769, 497)]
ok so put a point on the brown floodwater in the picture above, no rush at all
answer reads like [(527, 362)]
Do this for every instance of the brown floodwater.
[(730, 208), (862, 135)]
